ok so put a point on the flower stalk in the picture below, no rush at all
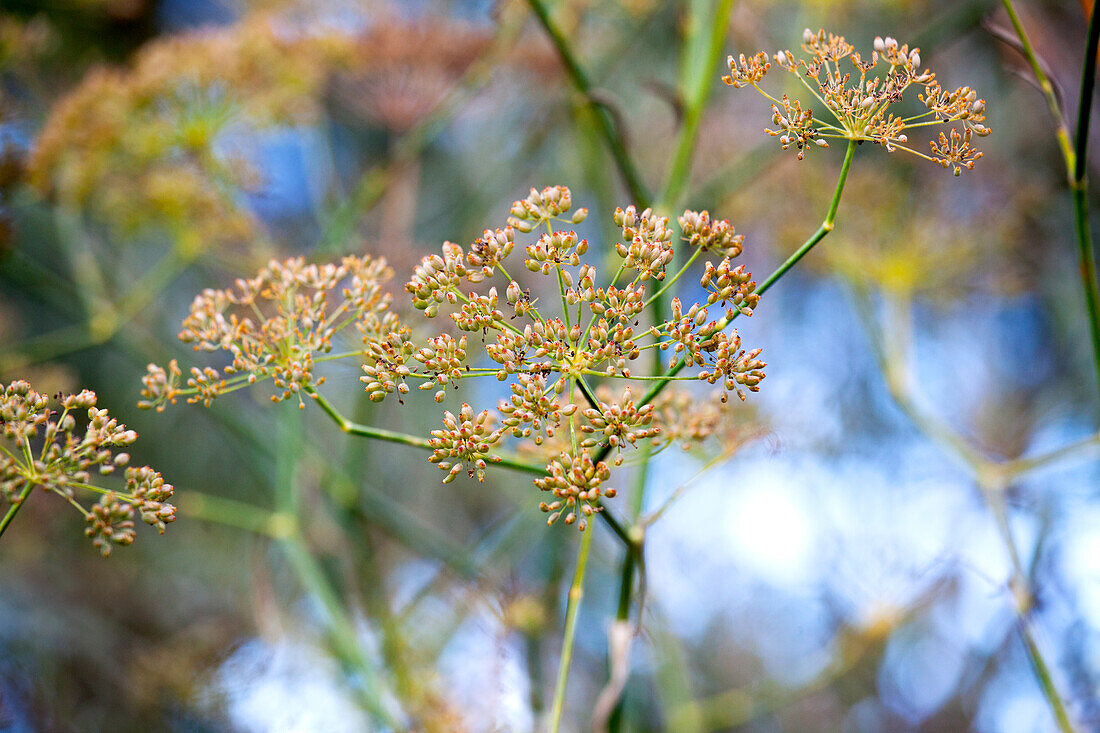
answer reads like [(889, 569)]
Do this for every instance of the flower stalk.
[(576, 593)]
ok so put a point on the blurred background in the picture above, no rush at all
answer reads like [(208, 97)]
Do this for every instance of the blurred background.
[(875, 556)]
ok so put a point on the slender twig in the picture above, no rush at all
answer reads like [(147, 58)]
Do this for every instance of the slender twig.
[(576, 593), (606, 125), (1042, 674), (368, 431)]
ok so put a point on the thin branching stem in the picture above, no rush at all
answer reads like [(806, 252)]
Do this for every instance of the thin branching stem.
[(991, 477), (1047, 88), (369, 431)]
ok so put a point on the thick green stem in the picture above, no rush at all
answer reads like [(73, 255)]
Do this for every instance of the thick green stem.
[(626, 584), (1075, 158), (696, 92), (10, 515), (613, 137), (576, 593), (1080, 193)]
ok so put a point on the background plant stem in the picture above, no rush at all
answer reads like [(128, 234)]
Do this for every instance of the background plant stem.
[(1075, 157), (616, 142), (1085, 248)]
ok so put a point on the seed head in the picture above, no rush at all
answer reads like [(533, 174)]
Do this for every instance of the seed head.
[(58, 453)]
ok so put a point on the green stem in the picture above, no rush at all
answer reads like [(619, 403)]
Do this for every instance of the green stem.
[(237, 514), (15, 507), (576, 593), (1046, 681), (614, 139), (1075, 158), (826, 227), (626, 584), (367, 431), (823, 230), (1080, 193)]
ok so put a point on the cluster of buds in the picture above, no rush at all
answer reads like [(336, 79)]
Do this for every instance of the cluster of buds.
[(859, 101), (574, 480), (621, 422), (58, 453), (544, 206), (795, 127), (545, 358), (647, 245), (532, 411), (688, 421), (711, 235), (464, 442)]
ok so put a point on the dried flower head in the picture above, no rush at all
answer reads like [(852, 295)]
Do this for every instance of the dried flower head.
[(575, 482), (276, 324), (860, 99), (619, 423), (279, 324), (60, 453), (464, 442), (139, 147), (688, 421)]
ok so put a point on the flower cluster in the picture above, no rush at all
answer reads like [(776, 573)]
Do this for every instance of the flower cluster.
[(860, 99), (279, 324), (50, 450), (275, 324), (145, 147), (464, 441), (575, 479), (140, 146)]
